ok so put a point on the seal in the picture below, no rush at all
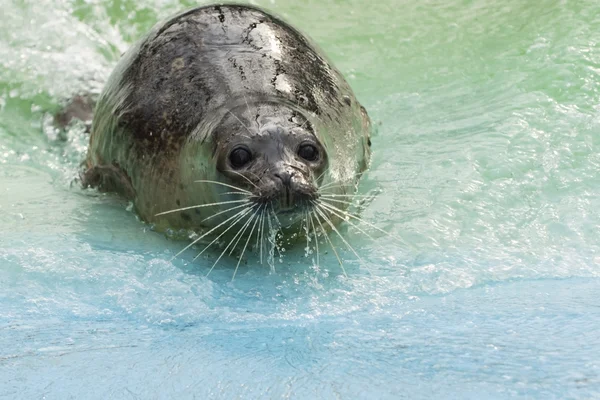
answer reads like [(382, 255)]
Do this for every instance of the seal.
[(223, 117)]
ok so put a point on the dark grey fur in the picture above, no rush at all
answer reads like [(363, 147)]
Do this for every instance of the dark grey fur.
[(210, 80)]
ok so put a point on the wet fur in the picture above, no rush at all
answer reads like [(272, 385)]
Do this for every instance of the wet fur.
[(164, 116)]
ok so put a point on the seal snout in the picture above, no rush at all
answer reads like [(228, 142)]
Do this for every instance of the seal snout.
[(288, 190), (285, 177), (295, 197), (286, 198)]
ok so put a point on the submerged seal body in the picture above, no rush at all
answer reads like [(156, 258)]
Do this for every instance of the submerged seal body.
[(226, 105)]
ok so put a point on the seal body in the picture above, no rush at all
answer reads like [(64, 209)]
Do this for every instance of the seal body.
[(221, 104)]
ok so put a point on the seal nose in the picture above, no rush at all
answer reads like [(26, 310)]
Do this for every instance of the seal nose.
[(287, 196), (285, 177)]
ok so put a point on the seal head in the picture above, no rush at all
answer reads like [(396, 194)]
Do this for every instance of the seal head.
[(278, 158)]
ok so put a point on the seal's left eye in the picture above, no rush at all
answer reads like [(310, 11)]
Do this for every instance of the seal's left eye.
[(309, 152), (240, 157)]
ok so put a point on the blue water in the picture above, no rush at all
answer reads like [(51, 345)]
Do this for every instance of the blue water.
[(136, 326), (486, 163)]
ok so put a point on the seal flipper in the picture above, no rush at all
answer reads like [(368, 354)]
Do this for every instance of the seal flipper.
[(109, 178)]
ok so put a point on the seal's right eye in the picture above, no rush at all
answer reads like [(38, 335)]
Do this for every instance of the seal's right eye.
[(309, 152), (239, 157)]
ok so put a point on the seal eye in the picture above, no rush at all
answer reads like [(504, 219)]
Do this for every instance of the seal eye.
[(239, 157), (309, 152)]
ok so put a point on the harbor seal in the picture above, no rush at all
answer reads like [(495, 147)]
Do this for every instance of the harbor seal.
[(223, 117)]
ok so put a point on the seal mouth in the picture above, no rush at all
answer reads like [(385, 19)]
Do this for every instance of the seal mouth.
[(288, 203), (296, 209), (286, 209)]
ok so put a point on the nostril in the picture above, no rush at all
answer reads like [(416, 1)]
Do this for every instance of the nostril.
[(284, 177)]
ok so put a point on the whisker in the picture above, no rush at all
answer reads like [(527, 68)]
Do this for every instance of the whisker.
[(244, 249), (272, 238), (307, 232), (336, 183), (342, 201), (330, 184), (244, 227), (245, 212), (343, 195), (275, 231), (274, 214), (344, 188), (305, 221), (356, 227), (224, 211), (322, 174), (262, 234), (207, 233), (331, 244), (240, 121), (344, 216), (239, 233), (200, 206), (258, 178), (314, 114), (321, 210), (245, 177), (224, 184), (259, 232), (312, 222), (240, 193), (331, 206), (349, 182)]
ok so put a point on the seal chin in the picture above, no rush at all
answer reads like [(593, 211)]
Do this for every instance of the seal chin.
[(289, 216), (294, 201), (289, 206), (289, 209)]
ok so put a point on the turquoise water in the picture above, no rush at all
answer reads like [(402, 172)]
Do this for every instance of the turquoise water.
[(487, 160)]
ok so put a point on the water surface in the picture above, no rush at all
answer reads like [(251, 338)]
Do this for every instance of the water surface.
[(487, 157)]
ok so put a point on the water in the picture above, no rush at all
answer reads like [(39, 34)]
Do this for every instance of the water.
[(487, 155)]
